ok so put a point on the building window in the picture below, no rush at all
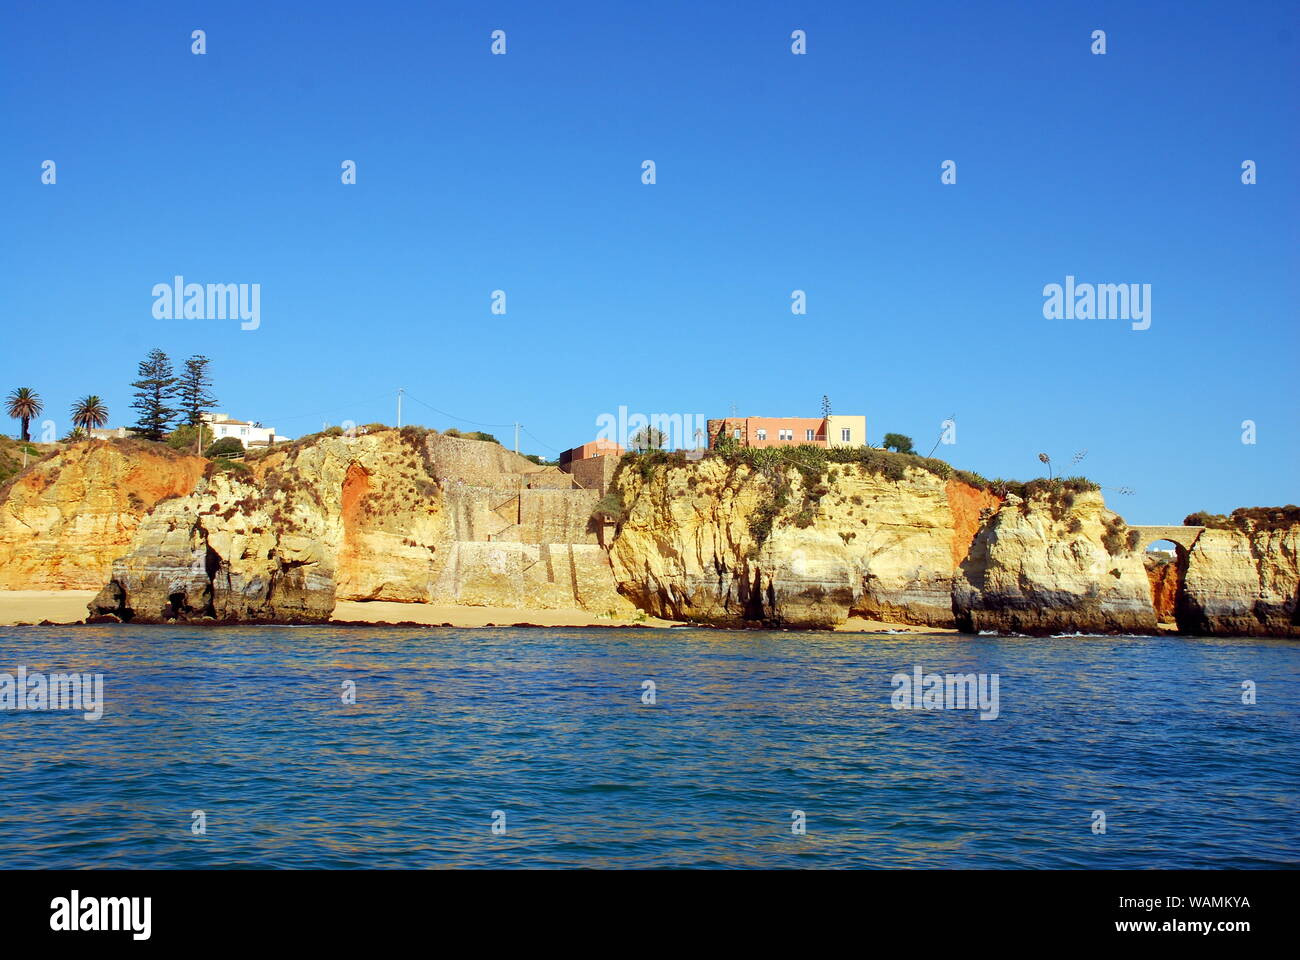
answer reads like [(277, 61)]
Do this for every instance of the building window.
[(808, 435), (736, 434), (787, 434), (762, 434), (844, 434)]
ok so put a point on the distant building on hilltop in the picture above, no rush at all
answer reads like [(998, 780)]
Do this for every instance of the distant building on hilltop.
[(249, 433), (595, 448), (592, 465), (835, 430), (110, 433)]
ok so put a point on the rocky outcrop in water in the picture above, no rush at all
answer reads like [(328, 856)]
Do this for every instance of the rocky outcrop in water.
[(721, 543), (1055, 562), (1243, 575)]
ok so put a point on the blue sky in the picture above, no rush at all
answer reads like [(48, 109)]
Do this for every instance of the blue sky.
[(775, 172)]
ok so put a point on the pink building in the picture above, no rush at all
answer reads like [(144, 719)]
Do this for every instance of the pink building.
[(768, 431), (832, 431)]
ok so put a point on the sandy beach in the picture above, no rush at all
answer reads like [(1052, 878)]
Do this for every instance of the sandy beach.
[(33, 606), (381, 611), (69, 606), (861, 625)]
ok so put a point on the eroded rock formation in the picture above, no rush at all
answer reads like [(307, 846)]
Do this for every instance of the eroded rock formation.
[(1243, 578), (1166, 582), (415, 517), (720, 543), (67, 518), (397, 516), (1054, 563)]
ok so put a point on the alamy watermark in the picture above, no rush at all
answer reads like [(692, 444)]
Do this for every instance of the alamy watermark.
[(656, 431), (951, 691), (1098, 301), (58, 691), (75, 913), (179, 300)]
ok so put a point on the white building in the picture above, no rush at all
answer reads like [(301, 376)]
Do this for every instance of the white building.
[(249, 433)]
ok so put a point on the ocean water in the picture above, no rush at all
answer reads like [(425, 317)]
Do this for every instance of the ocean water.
[(548, 727)]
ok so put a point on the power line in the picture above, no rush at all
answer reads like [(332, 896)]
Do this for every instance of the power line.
[(325, 412), (542, 442), (452, 416)]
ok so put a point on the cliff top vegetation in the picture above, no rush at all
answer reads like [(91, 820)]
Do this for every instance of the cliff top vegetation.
[(813, 462), (1247, 519)]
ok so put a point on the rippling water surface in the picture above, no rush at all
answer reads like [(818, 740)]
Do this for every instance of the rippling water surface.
[(247, 724)]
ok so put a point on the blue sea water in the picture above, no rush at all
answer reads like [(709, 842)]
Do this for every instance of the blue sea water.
[(548, 727)]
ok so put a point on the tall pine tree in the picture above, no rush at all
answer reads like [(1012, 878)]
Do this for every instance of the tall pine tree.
[(194, 390), (153, 394)]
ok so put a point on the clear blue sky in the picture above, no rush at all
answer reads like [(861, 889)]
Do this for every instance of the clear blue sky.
[(775, 172)]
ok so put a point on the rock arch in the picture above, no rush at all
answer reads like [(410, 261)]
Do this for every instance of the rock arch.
[(1167, 580), (1185, 537)]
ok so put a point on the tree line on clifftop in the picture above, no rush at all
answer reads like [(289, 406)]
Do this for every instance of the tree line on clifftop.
[(169, 405)]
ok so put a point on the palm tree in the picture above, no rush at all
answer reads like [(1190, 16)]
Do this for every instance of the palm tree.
[(24, 404), (89, 412)]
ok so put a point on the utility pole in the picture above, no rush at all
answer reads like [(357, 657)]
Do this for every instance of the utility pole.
[(400, 391), (516, 439)]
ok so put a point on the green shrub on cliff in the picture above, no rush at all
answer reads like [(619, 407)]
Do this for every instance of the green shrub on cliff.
[(469, 435), (1247, 519), (222, 465), (225, 448), (611, 507), (898, 442), (972, 479), (1059, 487), (1115, 538)]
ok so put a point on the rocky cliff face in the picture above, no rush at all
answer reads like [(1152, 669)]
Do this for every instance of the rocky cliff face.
[(720, 543), (397, 516), (224, 552), (67, 518), (1244, 578), (1054, 563), (1166, 583), (415, 517)]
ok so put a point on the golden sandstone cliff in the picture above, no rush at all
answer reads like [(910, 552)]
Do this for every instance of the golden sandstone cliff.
[(721, 543), (416, 517), (392, 515), (1242, 576), (66, 518), (1056, 561)]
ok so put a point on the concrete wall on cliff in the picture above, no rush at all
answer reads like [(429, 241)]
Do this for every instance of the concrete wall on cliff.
[(387, 516)]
